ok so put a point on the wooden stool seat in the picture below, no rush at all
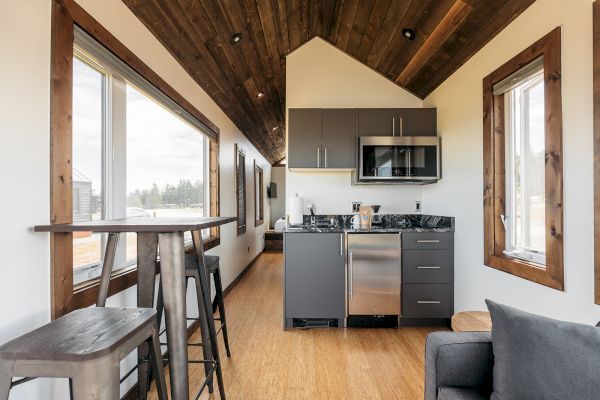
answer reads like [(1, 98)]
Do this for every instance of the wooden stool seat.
[(80, 336), (85, 346), (471, 321)]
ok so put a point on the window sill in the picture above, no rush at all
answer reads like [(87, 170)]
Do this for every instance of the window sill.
[(531, 271), (85, 293)]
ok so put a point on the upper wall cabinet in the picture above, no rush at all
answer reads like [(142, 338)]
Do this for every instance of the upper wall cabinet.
[(304, 138), (322, 138), (328, 138), (397, 122)]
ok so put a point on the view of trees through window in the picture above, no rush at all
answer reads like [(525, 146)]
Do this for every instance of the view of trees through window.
[(161, 157)]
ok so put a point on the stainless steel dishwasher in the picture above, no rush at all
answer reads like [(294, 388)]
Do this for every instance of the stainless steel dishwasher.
[(374, 279)]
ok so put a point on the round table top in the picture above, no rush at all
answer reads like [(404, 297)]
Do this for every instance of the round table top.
[(471, 321)]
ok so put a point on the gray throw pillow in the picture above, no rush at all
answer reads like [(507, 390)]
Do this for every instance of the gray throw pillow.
[(541, 358)]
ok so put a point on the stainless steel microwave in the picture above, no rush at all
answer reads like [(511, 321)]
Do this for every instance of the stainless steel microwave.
[(399, 159)]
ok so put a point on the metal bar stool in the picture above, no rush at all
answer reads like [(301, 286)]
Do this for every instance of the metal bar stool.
[(192, 271), (85, 346)]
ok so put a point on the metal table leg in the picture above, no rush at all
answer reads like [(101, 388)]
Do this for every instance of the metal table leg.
[(107, 266), (212, 333), (172, 268), (147, 246)]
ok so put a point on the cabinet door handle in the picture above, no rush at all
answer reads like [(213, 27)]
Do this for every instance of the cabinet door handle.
[(350, 274), (428, 267), (401, 126), (319, 157), (428, 302), (325, 156), (393, 126), (341, 244), (428, 241)]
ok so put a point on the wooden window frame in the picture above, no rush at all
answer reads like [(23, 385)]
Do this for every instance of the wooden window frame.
[(596, 90), (241, 229), (65, 15), (552, 275), (259, 208)]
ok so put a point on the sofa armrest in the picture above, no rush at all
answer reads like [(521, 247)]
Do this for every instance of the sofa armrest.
[(463, 359)]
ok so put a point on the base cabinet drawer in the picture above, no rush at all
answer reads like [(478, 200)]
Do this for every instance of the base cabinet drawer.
[(427, 300), (427, 241), (428, 266)]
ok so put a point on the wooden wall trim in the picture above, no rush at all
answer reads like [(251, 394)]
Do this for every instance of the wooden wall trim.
[(61, 199), (552, 274), (66, 14), (596, 89)]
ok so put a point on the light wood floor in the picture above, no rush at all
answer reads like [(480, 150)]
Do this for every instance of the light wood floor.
[(270, 363)]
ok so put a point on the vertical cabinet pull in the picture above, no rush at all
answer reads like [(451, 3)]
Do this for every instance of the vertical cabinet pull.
[(350, 274), (341, 244), (393, 126), (401, 126), (325, 156), (319, 157)]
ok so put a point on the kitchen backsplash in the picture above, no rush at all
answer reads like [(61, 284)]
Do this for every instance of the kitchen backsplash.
[(391, 220)]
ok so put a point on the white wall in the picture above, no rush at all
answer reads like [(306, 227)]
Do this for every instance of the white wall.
[(459, 103), (24, 165), (278, 204), (318, 75)]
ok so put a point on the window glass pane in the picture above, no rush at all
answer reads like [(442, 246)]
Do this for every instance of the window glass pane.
[(165, 164), (87, 166), (525, 170)]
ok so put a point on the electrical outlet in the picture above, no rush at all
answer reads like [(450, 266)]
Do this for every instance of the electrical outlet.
[(418, 206), (248, 249), (356, 205)]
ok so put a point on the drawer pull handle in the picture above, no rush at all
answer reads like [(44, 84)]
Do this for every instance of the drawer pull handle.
[(429, 241), (428, 302), (427, 267)]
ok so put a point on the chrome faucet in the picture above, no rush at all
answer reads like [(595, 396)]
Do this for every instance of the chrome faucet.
[(313, 218)]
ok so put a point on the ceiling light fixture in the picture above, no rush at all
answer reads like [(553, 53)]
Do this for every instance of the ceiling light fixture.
[(236, 38), (408, 34), (260, 95)]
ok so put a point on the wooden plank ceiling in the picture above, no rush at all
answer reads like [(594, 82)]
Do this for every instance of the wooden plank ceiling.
[(198, 34)]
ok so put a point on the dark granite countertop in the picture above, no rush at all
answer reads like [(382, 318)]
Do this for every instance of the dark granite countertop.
[(390, 223)]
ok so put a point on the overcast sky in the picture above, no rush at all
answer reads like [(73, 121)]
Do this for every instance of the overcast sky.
[(161, 148)]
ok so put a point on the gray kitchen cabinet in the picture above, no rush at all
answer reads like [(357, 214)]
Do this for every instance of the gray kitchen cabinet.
[(339, 138), (314, 286), (397, 121), (322, 138), (427, 275), (304, 138)]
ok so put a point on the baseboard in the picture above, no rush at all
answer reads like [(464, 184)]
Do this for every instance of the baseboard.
[(132, 393)]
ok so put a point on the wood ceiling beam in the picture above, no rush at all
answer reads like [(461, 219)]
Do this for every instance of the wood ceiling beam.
[(447, 26)]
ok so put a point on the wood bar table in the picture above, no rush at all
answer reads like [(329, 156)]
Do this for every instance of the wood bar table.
[(167, 234)]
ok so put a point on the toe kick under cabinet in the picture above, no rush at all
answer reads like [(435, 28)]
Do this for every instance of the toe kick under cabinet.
[(427, 276)]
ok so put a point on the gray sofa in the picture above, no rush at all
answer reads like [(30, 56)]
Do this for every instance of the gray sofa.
[(458, 366)]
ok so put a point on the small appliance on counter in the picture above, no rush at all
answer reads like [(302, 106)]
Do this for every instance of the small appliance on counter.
[(376, 216)]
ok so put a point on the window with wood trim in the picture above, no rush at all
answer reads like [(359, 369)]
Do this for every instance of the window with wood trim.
[(96, 155), (522, 148), (240, 188), (259, 198), (596, 90)]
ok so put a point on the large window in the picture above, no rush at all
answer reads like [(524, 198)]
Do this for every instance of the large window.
[(134, 155), (524, 220), (522, 146)]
